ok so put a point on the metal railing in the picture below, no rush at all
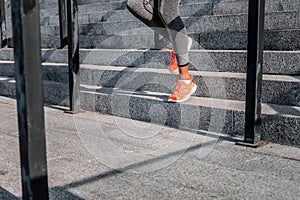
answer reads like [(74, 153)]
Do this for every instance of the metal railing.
[(3, 38), (73, 55), (29, 91), (255, 48), (29, 85)]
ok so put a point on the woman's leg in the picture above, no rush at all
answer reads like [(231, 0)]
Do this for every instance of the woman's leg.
[(178, 36), (177, 31), (143, 10)]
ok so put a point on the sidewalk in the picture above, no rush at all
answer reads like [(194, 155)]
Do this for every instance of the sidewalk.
[(94, 156)]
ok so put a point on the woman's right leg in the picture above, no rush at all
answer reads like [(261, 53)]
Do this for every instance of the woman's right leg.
[(143, 10)]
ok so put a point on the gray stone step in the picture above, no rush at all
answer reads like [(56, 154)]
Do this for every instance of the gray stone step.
[(214, 32), (277, 89), (105, 13), (216, 7), (222, 7), (230, 23), (144, 39), (54, 92), (115, 5), (48, 4), (93, 8), (275, 62), (279, 123), (85, 2), (124, 15), (274, 20)]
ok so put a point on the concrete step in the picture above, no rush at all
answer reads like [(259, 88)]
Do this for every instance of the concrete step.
[(282, 40), (51, 9), (222, 7), (213, 32), (143, 38), (284, 90), (279, 123), (277, 89), (198, 10), (85, 2), (228, 23), (186, 11), (275, 62), (48, 4), (216, 7), (110, 11)]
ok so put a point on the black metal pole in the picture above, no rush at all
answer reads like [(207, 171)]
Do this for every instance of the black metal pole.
[(29, 89), (2, 24), (254, 72), (73, 54), (63, 23), (156, 35)]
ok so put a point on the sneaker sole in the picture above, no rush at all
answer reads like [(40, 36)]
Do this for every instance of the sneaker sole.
[(175, 71), (190, 43), (187, 97)]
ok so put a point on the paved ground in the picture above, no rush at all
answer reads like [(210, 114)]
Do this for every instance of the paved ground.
[(95, 156)]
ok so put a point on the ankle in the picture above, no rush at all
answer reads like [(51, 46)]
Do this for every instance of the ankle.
[(184, 77)]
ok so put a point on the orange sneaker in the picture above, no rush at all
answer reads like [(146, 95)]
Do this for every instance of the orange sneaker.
[(173, 66), (183, 91)]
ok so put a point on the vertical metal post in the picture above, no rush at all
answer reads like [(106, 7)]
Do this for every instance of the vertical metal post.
[(29, 89), (63, 23), (156, 35), (73, 54), (254, 72), (2, 23)]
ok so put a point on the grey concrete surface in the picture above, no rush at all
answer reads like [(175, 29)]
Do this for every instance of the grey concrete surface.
[(96, 156)]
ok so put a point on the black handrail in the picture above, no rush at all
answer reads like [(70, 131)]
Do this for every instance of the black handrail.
[(68, 23), (3, 38), (63, 23), (73, 56), (29, 91), (254, 73)]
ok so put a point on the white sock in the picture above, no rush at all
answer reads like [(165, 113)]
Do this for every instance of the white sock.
[(186, 81)]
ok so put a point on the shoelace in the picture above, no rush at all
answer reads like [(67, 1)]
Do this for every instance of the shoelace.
[(177, 88)]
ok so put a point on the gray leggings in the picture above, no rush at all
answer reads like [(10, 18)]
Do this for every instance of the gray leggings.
[(166, 22)]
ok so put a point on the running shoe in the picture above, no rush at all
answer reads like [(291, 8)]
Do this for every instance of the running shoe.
[(183, 91), (173, 67)]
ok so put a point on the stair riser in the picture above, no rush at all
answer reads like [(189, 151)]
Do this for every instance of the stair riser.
[(197, 10), (221, 87), (229, 23), (274, 21), (118, 5), (218, 7), (274, 40), (220, 61), (241, 6), (231, 122), (274, 92)]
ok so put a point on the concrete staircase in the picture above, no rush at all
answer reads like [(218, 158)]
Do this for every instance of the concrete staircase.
[(121, 76)]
